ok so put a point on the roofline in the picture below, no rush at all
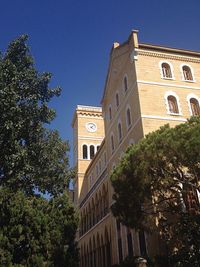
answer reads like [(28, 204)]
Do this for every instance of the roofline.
[(85, 108), (169, 49), (117, 46)]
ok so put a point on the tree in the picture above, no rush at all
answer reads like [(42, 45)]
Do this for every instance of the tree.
[(34, 230), (156, 187)]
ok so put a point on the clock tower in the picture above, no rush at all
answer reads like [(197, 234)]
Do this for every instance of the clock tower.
[(88, 133)]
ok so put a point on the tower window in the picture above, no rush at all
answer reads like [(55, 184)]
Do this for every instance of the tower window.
[(194, 106), (187, 73), (91, 152), (85, 152), (110, 113), (117, 100), (172, 103), (120, 131), (125, 84), (112, 143), (128, 117), (166, 70)]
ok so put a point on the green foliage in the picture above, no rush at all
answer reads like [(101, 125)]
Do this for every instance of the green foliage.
[(151, 184), (34, 231), (132, 262), (25, 144)]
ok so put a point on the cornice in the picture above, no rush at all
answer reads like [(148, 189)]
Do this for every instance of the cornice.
[(86, 114), (168, 56)]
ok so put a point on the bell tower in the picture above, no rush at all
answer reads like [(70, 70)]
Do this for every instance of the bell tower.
[(88, 133)]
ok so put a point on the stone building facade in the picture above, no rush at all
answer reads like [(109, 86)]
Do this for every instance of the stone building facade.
[(146, 87)]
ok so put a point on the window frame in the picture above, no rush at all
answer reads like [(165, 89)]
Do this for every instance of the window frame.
[(189, 97), (183, 76), (117, 101), (92, 145), (171, 69), (171, 93), (127, 124), (119, 131), (112, 143), (123, 84), (110, 112), (87, 157)]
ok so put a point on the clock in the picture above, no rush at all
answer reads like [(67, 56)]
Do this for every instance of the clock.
[(91, 127)]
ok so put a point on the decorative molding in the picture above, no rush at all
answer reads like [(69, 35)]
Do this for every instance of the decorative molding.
[(168, 84), (81, 137), (163, 118), (134, 55), (85, 114), (167, 56), (89, 108)]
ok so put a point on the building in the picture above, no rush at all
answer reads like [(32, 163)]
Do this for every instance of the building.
[(146, 87)]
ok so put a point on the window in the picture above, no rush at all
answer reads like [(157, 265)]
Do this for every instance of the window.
[(117, 100), (190, 197), (172, 103), (128, 117), (194, 104), (105, 159), (99, 165), (110, 113), (129, 243), (85, 152), (98, 147), (142, 242), (112, 143), (118, 226), (187, 73), (91, 152), (125, 84), (166, 70), (119, 131)]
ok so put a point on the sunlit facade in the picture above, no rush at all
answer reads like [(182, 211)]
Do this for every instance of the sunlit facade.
[(146, 87)]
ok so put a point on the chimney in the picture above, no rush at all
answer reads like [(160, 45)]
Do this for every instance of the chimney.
[(134, 38)]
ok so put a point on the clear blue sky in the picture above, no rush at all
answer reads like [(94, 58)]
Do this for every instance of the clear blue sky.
[(72, 39)]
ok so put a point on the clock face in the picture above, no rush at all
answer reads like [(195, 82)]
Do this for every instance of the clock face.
[(91, 127)]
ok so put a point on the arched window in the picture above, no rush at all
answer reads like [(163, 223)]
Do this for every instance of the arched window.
[(129, 242), (166, 70), (105, 160), (125, 84), (112, 143), (194, 104), (85, 152), (128, 117), (99, 165), (98, 147), (119, 131), (120, 253), (110, 113), (91, 152), (172, 104), (187, 73), (117, 100)]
